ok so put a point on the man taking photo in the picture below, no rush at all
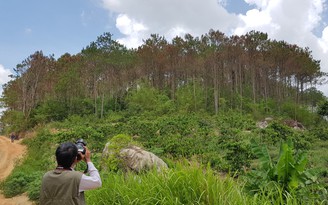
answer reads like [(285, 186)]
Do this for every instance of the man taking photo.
[(64, 186)]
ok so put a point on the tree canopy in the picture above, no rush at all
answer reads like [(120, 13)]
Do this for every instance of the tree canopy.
[(220, 72)]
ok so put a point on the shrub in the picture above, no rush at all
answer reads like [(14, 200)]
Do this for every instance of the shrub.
[(51, 110), (13, 121), (190, 97), (94, 138), (287, 175), (238, 155), (112, 161), (18, 183), (148, 99), (276, 132), (33, 190), (320, 132)]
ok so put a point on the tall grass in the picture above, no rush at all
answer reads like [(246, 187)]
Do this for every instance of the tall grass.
[(183, 184)]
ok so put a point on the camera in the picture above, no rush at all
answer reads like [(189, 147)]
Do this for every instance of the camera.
[(80, 143)]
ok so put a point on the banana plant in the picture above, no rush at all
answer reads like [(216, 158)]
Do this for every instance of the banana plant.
[(290, 168), (288, 173)]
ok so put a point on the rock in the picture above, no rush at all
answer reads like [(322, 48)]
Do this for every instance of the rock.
[(290, 123), (137, 159), (268, 119), (262, 124), (294, 124), (133, 158)]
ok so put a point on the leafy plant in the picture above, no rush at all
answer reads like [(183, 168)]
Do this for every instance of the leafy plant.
[(288, 173), (94, 138), (321, 132), (238, 155), (289, 168), (112, 160), (33, 189), (323, 109), (18, 183), (148, 99)]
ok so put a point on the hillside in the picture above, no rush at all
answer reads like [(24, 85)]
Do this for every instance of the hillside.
[(223, 145), (195, 102)]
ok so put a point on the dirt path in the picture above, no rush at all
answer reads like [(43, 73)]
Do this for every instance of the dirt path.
[(9, 153)]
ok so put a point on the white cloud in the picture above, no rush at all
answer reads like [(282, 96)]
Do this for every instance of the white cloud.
[(168, 18), (283, 19), (257, 20), (324, 40), (128, 26), (223, 2), (293, 21), (132, 29), (259, 3), (4, 78), (4, 75)]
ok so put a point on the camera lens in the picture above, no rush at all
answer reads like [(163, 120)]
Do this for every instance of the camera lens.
[(80, 148), (80, 145)]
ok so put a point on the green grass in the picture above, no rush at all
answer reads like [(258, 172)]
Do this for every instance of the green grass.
[(319, 157), (183, 184), (193, 137)]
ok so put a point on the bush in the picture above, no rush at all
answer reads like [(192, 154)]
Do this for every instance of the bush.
[(51, 110), (33, 190), (276, 132), (95, 140), (112, 161), (287, 175), (320, 132), (13, 121), (190, 97), (238, 155), (148, 99), (18, 183)]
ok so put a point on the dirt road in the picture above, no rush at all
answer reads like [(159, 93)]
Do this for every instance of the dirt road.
[(9, 153)]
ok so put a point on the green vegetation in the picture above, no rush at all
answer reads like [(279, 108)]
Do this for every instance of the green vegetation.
[(212, 73), (113, 161), (184, 184), (212, 160), (289, 174), (195, 103)]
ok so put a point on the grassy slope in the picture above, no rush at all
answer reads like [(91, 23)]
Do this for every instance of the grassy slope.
[(182, 184)]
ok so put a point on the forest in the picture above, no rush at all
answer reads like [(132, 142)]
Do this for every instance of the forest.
[(196, 102)]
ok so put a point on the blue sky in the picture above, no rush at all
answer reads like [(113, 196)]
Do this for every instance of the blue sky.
[(53, 26), (60, 26)]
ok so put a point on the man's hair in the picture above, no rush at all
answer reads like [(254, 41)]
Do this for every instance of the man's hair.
[(66, 154)]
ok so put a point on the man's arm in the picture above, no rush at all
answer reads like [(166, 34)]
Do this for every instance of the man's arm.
[(90, 182), (93, 181)]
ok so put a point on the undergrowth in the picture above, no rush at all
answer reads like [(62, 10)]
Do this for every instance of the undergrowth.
[(215, 145)]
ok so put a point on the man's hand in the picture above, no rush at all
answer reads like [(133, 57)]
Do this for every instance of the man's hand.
[(87, 156)]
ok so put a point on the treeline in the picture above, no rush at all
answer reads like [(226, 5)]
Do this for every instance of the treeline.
[(221, 71)]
